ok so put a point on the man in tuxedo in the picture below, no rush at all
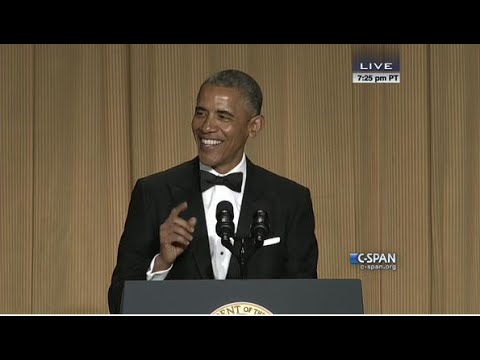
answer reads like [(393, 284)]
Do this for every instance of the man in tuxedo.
[(170, 227)]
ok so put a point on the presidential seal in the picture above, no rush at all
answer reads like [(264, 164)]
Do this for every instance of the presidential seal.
[(241, 308)]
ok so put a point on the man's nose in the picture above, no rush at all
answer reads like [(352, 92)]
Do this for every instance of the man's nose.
[(208, 124)]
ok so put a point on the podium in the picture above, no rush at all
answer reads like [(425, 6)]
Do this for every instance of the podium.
[(237, 297)]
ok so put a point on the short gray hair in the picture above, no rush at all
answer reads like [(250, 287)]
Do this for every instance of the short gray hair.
[(239, 80)]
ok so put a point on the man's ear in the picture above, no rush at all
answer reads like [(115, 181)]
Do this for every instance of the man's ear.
[(255, 125)]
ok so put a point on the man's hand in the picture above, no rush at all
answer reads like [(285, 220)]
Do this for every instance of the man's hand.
[(175, 236)]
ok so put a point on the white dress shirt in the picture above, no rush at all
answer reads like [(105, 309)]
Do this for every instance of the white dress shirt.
[(220, 255)]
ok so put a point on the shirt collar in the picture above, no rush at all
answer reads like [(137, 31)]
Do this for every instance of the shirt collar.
[(241, 167)]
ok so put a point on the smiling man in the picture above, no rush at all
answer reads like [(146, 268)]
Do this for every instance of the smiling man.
[(170, 231)]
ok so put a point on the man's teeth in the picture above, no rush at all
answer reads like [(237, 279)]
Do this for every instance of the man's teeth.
[(210, 142)]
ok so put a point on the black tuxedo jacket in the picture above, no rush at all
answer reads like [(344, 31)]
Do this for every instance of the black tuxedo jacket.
[(288, 204)]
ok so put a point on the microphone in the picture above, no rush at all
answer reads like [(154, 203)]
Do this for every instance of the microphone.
[(260, 227), (225, 227)]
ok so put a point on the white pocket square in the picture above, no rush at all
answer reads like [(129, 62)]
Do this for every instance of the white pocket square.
[(271, 241)]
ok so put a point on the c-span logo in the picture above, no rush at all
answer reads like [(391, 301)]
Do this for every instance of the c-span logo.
[(241, 308), (374, 261)]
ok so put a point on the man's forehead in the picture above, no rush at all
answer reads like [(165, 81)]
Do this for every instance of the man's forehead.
[(219, 91), (219, 96)]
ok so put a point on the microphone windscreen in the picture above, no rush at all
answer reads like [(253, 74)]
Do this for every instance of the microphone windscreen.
[(224, 205)]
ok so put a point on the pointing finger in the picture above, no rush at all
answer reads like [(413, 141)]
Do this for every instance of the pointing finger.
[(179, 208)]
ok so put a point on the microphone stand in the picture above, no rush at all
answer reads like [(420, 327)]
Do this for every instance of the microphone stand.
[(242, 260), (247, 249)]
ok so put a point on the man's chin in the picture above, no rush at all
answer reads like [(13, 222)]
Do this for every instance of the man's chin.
[(206, 160)]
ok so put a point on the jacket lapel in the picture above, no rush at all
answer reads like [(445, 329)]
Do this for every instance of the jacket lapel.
[(188, 189)]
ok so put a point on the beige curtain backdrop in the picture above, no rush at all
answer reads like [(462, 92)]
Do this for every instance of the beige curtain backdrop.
[(391, 167)]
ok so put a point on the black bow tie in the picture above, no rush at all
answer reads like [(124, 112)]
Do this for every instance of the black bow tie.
[(232, 181)]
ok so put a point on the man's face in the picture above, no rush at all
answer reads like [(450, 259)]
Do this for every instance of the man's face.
[(221, 126)]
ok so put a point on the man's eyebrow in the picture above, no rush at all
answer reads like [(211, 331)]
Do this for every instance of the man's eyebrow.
[(200, 108), (225, 112)]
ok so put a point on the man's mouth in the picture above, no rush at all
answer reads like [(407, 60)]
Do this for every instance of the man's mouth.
[(210, 142)]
